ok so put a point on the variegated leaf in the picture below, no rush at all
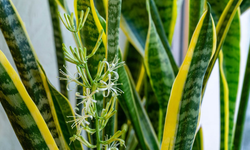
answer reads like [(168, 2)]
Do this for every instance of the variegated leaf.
[(25, 60), (182, 118), (24, 116)]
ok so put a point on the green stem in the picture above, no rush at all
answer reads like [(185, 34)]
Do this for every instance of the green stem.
[(160, 126), (79, 43), (98, 144)]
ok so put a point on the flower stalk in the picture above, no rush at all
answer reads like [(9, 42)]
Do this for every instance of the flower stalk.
[(104, 82)]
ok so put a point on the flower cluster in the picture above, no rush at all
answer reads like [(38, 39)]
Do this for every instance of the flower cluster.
[(104, 83)]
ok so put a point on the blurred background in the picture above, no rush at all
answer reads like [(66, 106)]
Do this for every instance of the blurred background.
[(36, 17)]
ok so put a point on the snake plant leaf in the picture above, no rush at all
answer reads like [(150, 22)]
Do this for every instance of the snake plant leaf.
[(224, 106), (168, 12), (244, 100), (222, 28), (58, 44), (145, 122), (152, 107), (131, 102), (244, 6), (25, 118), (89, 34), (134, 23), (159, 70), (146, 138), (99, 4), (198, 142), (25, 59), (134, 61), (62, 111), (182, 117), (230, 68), (112, 31), (196, 8)]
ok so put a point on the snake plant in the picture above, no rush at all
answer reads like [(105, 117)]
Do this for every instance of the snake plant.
[(131, 98)]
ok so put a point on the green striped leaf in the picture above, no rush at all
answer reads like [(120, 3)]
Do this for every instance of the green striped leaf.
[(62, 111), (198, 142), (134, 61), (168, 12), (25, 60), (58, 44), (244, 6), (131, 103), (112, 31), (146, 137), (222, 28), (89, 35), (182, 118), (196, 8), (159, 70), (99, 4), (244, 100), (25, 118), (230, 68), (134, 23)]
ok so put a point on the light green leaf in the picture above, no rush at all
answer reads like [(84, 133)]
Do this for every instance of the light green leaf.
[(58, 43), (25, 59), (182, 118), (25, 118)]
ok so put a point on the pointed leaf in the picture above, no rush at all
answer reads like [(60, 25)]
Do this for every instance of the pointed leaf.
[(159, 70), (58, 44), (62, 112), (196, 8), (168, 12), (244, 100), (198, 142), (182, 118), (230, 68), (25, 59), (134, 23), (25, 118), (221, 30)]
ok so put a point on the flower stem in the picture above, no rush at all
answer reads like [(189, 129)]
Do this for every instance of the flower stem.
[(98, 144)]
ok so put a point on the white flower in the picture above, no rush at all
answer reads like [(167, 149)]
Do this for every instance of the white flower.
[(110, 86), (114, 65), (70, 78), (87, 100), (79, 119)]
